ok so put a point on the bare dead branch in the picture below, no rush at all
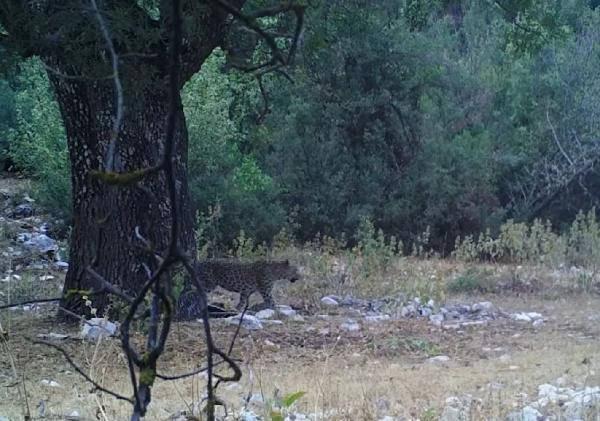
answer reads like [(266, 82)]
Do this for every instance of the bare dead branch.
[(23, 303), (556, 140)]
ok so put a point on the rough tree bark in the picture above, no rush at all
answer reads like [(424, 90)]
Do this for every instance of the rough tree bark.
[(105, 217)]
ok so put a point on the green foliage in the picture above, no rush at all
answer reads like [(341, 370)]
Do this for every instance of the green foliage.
[(37, 141), (373, 252), (472, 281), (537, 243), (279, 407), (224, 174), (409, 124)]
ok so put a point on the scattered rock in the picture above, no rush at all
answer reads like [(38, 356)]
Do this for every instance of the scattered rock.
[(267, 313), (377, 318), (408, 311), (297, 318), (286, 311), (50, 383), (329, 301), (52, 335), (526, 414), (521, 317), (269, 344), (248, 416), (41, 243), (440, 359), (483, 306), (538, 323), (456, 409), (436, 319), (296, 416), (350, 325), (249, 322), (24, 210), (426, 311), (96, 328), (61, 265), (527, 317), (73, 416)]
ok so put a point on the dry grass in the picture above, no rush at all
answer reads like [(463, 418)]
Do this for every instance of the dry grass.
[(349, 376)]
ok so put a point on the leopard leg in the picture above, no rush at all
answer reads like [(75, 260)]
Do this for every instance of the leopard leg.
[(265, 292), (243, 302)]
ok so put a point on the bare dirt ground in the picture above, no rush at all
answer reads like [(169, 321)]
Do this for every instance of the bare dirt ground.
[(380, 370)]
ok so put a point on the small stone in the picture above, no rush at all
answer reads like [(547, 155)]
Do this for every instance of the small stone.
[(329, 301), (297, 318), (538, 323), (46, 278), (426, 311), (287, 311), (483, 306), (248, 322), (534, 316), (456, 409), (248, 416), (526, 414), (269, 344), (408, 311), (436, 319), (272, 322), (72, 416), (377, 318), (52, 335), (42, 243), (50, 383), (440, 359), (267, 313), (256, 398), (505, 358), (350, 326), (474, 323), (520, 317), (431, 303), (387, 418), (61, 265), (96, 328), (24, 210)]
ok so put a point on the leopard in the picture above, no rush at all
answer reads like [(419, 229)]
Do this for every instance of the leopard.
[(244, 278)]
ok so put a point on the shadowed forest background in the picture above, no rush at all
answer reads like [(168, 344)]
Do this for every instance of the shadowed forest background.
[(428, 120)]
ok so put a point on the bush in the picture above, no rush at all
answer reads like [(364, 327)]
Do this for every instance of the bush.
[(38, 143), (227, 184), (537, 243)]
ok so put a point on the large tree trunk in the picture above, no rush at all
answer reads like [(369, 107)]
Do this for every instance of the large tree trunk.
[(105, 217)]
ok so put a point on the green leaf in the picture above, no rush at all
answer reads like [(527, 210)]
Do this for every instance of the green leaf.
[(289, 400), (276, 416)]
